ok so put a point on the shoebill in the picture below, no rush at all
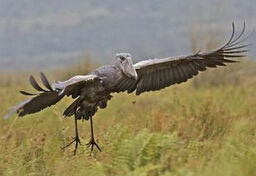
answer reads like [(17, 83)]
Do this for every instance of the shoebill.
[(93, 91)]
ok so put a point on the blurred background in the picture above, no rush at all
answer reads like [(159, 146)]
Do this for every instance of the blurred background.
[(48, 34)]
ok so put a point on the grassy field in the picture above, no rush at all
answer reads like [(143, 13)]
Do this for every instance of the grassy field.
[(206, 126)]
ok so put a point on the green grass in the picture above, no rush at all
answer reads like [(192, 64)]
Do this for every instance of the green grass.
[(197, 128)]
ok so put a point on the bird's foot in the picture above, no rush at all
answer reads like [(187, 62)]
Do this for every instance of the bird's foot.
[(75, 139), (92, 143)]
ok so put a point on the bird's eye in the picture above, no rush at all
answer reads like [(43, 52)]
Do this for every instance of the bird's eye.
[(122, 58)]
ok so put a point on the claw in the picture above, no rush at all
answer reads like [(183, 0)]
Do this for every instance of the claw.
[(75, 139), (92, 143)]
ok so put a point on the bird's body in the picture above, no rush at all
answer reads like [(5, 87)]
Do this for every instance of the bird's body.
[(110, 76), (97, 94), (93, 91)]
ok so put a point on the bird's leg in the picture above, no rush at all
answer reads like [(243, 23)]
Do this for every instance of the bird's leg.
[(76, 138), (92, 141)]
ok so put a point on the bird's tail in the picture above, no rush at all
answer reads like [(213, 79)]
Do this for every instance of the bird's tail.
[(43, 99)]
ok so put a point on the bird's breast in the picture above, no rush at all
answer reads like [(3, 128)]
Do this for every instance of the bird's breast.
[(110, 75), (94, 93)]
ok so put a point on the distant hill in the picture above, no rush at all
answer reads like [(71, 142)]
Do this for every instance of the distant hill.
[(47, 34)]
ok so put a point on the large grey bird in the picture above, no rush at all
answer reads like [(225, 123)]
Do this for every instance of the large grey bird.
[(94, 90)]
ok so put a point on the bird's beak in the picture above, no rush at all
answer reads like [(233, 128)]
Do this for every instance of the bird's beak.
[(131, 72), (135, 76)]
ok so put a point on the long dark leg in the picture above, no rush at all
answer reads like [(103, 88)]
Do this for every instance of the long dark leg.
[(76, 138), (92, 141)]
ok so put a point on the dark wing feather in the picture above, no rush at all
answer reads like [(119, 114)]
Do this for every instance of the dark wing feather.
[(125, 84), (35, 84), (38, 103), (45, 81), (45, 98), (160, 73), (35, 104), (27, 93), (72, 108)]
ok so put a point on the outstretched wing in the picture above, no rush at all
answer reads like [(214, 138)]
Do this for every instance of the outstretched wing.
[(156, 74), (73, 85), (50, 95)]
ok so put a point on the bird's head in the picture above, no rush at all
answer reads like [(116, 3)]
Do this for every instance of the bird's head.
[(124, 62)]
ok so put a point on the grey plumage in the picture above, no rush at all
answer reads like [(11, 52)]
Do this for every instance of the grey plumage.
[(93, 91)]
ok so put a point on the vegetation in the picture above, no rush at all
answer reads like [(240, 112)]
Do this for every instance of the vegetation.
[(202, 127)]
